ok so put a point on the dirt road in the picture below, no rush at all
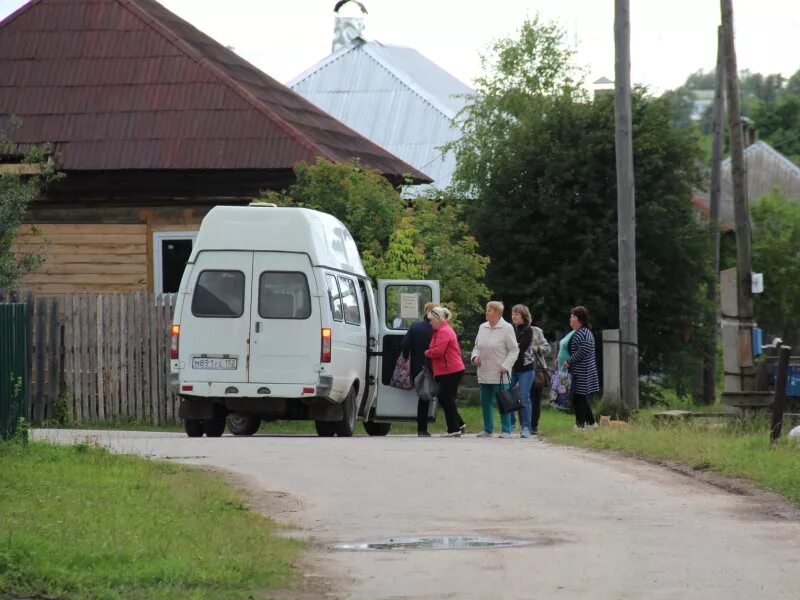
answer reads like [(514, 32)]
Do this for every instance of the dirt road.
[(605, 527)]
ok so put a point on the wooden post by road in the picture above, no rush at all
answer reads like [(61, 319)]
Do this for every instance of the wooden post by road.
[(626, 209), (779, 403), (741, 206), (710, 375)]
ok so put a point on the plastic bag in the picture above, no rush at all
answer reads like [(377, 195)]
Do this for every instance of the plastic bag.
[(401, 377)]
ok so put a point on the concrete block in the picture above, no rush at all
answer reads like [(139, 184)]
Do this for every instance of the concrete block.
[(612, 377)]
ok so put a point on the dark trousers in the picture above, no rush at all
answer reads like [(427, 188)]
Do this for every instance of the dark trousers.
[(583, 412), (536, 407), (422, 415), (448, 390)]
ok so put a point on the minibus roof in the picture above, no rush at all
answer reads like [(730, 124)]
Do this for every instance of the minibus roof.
[(267, 228)]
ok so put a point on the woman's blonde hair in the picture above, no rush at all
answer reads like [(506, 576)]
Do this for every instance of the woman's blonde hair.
[(496, 306), (440, 313), (523, 312)]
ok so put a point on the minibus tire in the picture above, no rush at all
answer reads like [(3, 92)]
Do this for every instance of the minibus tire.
[(215, 426), (373, 428), (325, 428), (193, 427), (347, 426), (243, 424)]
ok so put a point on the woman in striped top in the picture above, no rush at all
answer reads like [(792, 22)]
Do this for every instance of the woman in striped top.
[(583, 366)]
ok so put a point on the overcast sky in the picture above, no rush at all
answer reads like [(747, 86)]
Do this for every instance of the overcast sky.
[(669, 39)]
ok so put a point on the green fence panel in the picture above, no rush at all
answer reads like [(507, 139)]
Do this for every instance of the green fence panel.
[(13, 367)]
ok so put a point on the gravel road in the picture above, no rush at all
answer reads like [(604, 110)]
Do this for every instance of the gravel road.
[(603, 527)]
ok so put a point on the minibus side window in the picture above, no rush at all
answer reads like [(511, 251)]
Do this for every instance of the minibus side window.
[(352, 313), (219, 294), (334, 297), (283, 295)]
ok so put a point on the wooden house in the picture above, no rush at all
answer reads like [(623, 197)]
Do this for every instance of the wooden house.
[(153, 123)]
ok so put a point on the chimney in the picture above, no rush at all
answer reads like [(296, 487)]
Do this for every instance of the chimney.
[(347, 29), (750, 132)]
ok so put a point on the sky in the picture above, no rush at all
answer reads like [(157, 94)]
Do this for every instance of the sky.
[(669, 40)]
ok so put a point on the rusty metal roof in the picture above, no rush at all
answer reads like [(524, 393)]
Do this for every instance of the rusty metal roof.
[(127, 84)]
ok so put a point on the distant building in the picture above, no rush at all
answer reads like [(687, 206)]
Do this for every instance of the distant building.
[(392, 95), (766, 170), (702, 100)]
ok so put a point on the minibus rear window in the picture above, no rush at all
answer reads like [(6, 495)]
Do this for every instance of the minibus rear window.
[(283, 295), (219, 294)]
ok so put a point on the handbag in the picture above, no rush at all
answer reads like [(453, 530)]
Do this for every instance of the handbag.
[(426, 386), (401, 377), (510, 398), (542, 378)]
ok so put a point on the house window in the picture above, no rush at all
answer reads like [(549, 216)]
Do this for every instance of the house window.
[(171, 251)]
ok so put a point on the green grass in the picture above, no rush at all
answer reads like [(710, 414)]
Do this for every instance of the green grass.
[(79, 522), (739, 448)]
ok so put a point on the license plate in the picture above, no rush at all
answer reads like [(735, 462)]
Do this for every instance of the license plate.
[(215, 364)]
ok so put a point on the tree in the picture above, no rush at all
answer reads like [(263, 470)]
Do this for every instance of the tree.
[(426, 238), (776, 253), (543, 202), (17, 190), (779, 123)]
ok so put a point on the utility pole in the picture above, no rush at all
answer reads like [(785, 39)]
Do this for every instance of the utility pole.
[(710, 376), (626, 209), (740, 202)]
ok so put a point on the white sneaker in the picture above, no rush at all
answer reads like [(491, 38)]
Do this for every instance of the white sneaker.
[(505, 435), (452, 434), (484, 434), (526, 433), (577, 428), (593, 426)]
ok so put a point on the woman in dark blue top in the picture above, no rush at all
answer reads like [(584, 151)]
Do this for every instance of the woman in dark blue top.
[(415, 343)]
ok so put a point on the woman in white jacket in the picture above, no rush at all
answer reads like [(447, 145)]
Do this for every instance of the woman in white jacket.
[(495, 352)]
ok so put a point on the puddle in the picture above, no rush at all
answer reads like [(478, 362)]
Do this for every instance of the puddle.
[(438, 542)]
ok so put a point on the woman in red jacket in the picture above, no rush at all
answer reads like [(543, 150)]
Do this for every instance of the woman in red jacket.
[(448, 367)]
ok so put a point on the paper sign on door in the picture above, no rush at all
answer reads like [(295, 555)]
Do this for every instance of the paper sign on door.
[(409, 306)]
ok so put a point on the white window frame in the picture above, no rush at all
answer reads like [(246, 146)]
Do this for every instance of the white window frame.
[(158, 237)]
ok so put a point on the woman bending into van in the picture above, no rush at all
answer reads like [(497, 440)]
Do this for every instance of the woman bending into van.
[(448, 367), (495, 353), (583, 366), (416, 341)]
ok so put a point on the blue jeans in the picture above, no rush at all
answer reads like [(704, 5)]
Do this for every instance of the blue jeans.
[(488, 401), (525, 381)]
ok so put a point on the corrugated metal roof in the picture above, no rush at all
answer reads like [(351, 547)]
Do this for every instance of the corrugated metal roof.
[(766, 169), (396, 97), (126, 84)]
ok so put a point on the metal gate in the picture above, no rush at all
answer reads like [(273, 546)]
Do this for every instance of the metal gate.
[(13, 367)]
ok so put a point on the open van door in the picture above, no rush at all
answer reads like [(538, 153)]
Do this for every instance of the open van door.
[(400, 303)]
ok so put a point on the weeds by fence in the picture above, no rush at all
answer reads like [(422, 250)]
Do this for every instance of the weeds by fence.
[(99, 357)]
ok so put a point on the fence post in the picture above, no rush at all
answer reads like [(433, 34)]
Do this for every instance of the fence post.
[(779, 403)]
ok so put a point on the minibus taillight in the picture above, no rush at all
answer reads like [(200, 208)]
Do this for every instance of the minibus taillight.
[(176, 334), (327, 335)]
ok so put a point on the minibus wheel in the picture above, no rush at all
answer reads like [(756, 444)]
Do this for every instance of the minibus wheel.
[(347, 426), (193, 427), (373, 428), (325, 428), (243, 424), (215, 426)]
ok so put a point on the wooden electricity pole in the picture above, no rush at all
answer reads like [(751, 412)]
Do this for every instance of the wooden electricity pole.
[(740, 203), (626, 209), (710, 376)]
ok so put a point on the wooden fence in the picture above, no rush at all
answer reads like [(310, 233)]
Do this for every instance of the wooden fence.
[(99, 357)]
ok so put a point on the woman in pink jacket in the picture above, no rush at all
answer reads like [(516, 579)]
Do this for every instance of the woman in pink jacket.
[(448, 367)]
